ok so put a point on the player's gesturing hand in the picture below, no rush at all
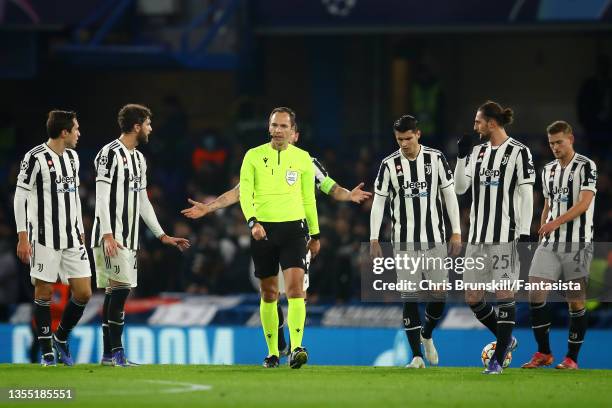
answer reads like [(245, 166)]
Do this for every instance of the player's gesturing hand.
[(375, 249), (198, 210), (258, 232), (24, 249), (181, 243), (314, 246), (358, 195)]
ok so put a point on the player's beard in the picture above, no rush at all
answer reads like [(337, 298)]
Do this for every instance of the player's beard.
[(142, 137), (485, 137)]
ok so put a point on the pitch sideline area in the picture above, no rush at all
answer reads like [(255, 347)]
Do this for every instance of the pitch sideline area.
[(189, 385)]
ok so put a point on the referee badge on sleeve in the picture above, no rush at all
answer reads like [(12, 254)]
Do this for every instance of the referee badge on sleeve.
[(291, 176)]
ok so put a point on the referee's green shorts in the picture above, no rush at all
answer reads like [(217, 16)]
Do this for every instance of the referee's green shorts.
[(285, 244)]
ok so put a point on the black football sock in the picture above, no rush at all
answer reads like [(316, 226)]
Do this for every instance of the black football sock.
[(540, 323), (282, 343), (412, 326), (116, 316), (433, 314), (71, 316), (486, 314), (42, 317), (105, 330), (577, 330), (506, 318)]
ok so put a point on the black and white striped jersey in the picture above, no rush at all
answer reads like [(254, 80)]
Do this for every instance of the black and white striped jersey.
[(53, 206), (561, 187), (126, 173), (496, 173), (323, 182), (414, 191)]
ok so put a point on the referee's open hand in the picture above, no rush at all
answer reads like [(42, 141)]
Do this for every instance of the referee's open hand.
[(258, 232)]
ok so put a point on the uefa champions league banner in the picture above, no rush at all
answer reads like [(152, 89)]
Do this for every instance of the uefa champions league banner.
[(327, 346)]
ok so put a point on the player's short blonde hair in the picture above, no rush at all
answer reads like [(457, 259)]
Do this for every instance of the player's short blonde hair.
[(559, 126)]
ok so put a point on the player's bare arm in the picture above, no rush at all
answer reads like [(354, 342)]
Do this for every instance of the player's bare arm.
[(24, 249), (356, 195), (576, 210)]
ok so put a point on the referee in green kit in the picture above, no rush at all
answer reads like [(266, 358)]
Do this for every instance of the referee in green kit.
[(277, 196)]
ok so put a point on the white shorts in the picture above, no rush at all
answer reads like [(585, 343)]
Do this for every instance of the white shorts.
[(553, 265), (424, 265), (500, 262), (47, 264), (122, 267)]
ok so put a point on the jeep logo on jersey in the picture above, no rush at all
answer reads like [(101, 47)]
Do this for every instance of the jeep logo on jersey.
[(559, 190), (291, 176), (428, 168), (64, 179), (135, 178), (415, 184), (489, 173)]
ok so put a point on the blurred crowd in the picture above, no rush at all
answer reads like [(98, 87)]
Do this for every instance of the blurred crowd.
[(202, 164)]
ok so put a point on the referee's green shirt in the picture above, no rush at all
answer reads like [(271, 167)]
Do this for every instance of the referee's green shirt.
[(278, 186)]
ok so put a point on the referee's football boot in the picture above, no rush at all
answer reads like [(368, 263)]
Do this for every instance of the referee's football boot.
[(298, 357), (63, 351), (271, 361)]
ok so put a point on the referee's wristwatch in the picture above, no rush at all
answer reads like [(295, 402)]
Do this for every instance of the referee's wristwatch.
[(251, 222)]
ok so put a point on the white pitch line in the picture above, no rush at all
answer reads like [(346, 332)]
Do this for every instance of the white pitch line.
[(184, 387), (180, 388)]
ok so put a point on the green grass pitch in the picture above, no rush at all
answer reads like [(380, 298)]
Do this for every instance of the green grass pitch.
[(250, 386)]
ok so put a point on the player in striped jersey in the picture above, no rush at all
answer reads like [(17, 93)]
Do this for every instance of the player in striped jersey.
[(501, 175), (566, 249), (416, 178), (50, 229), (323, 182), (121, 199)]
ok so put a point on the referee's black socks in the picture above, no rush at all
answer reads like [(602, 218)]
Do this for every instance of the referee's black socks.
[(506, 319), (412, 326), (116, 315), (577, 330)]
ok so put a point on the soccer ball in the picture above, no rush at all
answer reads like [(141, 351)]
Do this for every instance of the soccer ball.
[(487, 353)]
